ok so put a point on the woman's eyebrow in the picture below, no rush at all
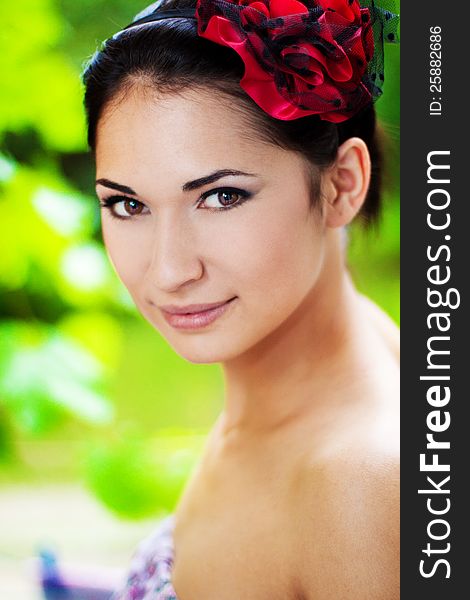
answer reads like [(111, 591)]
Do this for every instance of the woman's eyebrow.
[(197, 183), (116, 186), (186, 187)]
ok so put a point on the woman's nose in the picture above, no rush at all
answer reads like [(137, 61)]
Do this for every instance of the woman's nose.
[(174, 259)]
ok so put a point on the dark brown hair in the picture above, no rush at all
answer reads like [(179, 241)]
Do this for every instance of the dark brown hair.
[(169, 57)]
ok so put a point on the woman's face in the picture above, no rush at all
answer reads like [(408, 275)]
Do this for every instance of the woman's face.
[(202, 214)]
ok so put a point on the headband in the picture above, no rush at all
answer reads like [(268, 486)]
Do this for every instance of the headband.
[(309, 57)]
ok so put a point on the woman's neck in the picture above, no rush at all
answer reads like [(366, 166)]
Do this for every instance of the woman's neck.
[(282, 377)]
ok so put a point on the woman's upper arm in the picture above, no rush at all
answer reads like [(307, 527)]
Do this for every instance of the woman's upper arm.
[(347, 530)]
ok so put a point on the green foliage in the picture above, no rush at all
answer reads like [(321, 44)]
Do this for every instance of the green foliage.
[(44, 374), (38, 77), (374, 258), (136, 479)]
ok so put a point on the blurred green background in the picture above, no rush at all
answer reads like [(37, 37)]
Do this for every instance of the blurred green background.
[(89, 392)]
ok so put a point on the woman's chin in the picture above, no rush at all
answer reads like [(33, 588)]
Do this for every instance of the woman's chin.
[(203, 356), (208, 351)]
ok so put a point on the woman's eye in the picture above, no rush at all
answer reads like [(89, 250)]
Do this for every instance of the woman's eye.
[(224, 198), (123, 208)]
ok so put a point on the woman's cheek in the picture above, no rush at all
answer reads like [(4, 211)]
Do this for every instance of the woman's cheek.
[(128, 254), (281, 242), (274, 257)]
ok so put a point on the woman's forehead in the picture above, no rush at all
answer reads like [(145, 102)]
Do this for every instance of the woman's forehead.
[(192, 126), (177, 118)]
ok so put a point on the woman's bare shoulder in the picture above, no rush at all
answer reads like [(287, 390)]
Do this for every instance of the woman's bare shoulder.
[(346, 524), (363, 465)]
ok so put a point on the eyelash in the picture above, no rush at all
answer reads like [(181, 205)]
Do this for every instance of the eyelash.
[(244, 196)]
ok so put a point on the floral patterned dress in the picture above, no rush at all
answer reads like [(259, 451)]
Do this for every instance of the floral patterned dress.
[(149, 577)]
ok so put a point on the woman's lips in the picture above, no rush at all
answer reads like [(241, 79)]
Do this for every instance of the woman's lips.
[(194, 316)]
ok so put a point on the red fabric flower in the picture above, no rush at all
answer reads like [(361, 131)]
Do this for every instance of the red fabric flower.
[(301, 58)]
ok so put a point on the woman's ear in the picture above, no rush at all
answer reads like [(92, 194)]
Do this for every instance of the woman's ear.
[(347, 182)]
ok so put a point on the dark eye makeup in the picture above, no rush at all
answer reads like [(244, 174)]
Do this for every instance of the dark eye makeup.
[(111, 202), (243, 196)]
